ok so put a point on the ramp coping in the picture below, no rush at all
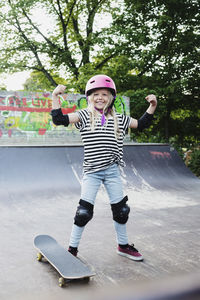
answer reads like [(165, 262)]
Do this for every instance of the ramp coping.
[(76, 145)]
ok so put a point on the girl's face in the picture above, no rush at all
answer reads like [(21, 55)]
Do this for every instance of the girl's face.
[(101, 97)]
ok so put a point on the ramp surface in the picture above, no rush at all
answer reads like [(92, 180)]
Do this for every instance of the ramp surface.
[(39, 193), (26, 169)]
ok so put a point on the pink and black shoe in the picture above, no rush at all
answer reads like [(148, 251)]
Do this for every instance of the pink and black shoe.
[(130, 252)]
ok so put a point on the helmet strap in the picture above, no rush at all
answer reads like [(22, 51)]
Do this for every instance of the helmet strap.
[(103, 117)]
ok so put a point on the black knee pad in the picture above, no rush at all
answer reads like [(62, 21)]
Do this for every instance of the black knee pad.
[(84, 213), (121, 211)]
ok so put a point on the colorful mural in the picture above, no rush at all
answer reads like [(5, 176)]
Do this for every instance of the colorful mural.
[(26, 116)]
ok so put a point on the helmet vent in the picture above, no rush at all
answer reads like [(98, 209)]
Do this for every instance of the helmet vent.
[(108, 80), (92, 81)]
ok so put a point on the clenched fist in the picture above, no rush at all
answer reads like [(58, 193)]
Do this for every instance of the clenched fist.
[(151, 99), (59, 90)]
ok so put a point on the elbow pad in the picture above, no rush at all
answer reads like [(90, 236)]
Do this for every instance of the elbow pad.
[(145, 121), (58, 118)]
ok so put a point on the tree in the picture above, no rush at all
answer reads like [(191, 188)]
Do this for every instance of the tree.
[(162, 42), (149, 46), (38, 82), (71, 46), (2, 87)]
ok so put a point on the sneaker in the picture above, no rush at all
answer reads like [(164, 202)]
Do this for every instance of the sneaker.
[(73, 250), (131, 252)]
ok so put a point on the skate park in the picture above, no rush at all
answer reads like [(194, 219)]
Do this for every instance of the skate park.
[(150, 52), (40, 190)]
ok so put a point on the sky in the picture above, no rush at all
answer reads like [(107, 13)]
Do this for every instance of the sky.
[(15, 81)]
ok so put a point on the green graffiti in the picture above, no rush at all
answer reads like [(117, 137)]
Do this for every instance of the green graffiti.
[(82, 103), (120, 105), (28, 114)]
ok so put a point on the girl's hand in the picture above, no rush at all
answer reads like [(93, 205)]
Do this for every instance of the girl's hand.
[(59, 90), (152, 100)]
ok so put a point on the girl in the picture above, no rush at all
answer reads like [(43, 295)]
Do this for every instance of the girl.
[(102, 131)]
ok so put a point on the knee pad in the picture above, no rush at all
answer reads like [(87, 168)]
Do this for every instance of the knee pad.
[(121, 211), (84, 213)]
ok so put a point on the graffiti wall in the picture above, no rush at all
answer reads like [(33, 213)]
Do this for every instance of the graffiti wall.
[(25, 117)]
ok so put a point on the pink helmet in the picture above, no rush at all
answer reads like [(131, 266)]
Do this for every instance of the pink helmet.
[(98, 82)]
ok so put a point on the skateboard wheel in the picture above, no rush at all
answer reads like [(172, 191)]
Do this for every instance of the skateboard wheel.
[(86, 279), (39, 256), (61, 281)]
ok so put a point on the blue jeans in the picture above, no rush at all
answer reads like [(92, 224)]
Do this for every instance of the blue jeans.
[(91, 182), (111, 179)]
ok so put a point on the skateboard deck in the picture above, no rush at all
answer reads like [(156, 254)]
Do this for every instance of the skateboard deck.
[(67, 265)]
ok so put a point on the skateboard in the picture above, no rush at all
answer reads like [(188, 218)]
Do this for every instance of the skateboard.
[(66, 264)]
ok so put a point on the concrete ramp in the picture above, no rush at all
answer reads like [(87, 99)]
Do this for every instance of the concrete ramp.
[(39, 192), (160, 167), (33, 169)]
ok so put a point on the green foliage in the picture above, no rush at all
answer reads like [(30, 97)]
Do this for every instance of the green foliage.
[(2, 87), (161, 39), (194, 163), (67, 47), (38, 82), (147, 47)]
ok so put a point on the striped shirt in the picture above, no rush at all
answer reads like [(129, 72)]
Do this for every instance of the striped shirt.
[(101, 148)]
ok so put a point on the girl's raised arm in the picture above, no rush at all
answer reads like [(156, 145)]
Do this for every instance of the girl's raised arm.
[(146, 119), (57, 115)]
